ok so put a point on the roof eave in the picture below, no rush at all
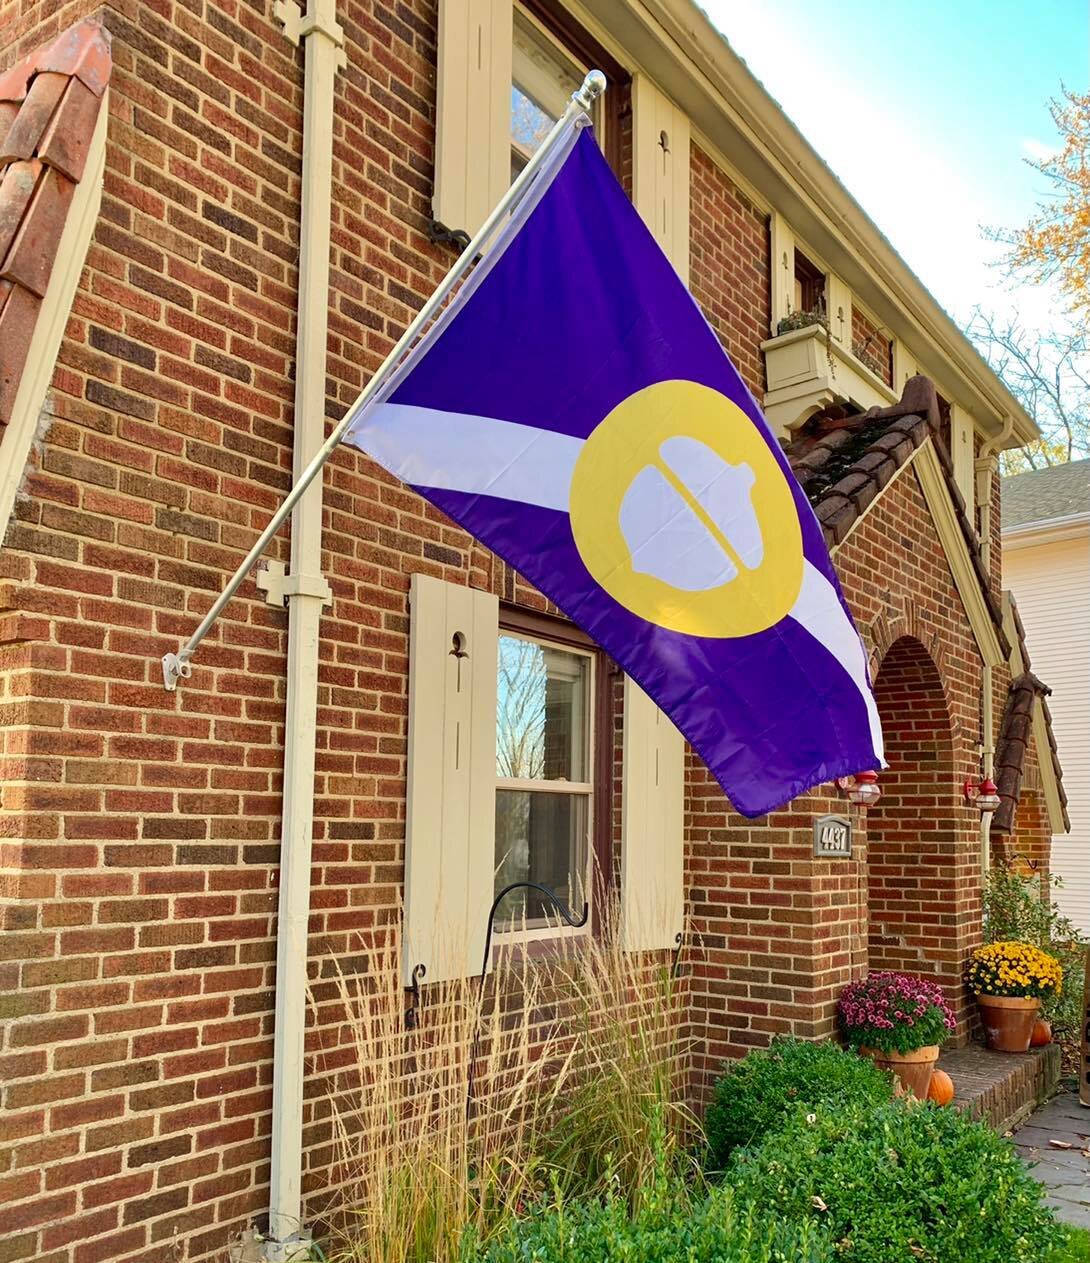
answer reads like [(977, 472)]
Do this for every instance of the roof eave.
[(771, 153), (1049, 530)]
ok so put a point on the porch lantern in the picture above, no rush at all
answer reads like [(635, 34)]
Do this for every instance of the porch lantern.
[(985, 795), (862, 788)]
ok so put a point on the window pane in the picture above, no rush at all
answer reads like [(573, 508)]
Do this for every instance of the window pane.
[(541, 712), (529, 122), (540, 837), (543, 80)]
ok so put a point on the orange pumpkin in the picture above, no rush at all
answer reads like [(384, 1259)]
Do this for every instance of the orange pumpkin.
[(941, 1090), (1042, 1033)]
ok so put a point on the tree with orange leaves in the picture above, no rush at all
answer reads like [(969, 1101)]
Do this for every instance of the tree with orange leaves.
[(1055, 243)]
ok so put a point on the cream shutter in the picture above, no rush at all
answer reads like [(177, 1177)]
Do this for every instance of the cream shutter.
[(783, 270), (473, 112), (652, 824), (838, 303), (451, 821), (660, 170)]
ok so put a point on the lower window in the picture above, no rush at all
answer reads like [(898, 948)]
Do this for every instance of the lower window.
[(544, 783)]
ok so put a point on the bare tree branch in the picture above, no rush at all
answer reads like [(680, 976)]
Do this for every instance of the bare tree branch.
[(1049, 374)]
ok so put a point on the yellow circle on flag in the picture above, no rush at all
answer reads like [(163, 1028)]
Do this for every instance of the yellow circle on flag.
[(682, 514)]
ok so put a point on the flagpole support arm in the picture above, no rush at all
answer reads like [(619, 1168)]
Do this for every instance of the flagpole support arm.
[(177, 666)]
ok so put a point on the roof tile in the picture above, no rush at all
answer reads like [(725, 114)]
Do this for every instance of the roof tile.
[(33, 118), (82, 51), (877, 444), (1015, 731), (18, 317), (29, 260), (8, 111), (67, 139), (49, 107), (16, 189)]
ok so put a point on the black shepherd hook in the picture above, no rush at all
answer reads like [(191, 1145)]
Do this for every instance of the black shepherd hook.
[(566, 914), (679, 939), (412, 1013)]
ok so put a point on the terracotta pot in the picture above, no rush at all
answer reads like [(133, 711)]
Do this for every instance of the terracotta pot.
[(913, 1069), (1008, 1021)]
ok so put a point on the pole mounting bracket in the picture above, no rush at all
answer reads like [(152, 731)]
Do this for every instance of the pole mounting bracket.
[(278, 585), (175, 668)]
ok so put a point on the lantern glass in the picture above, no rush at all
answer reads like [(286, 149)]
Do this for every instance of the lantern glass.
[(866, 793)]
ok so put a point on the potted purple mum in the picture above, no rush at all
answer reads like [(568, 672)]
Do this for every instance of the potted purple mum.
[(898, 1021)]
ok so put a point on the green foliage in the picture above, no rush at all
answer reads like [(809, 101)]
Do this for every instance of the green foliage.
[(670, 1226), (757, 1093), (1076, 1249), (802, 320), (1019, 908), (901, 1182)]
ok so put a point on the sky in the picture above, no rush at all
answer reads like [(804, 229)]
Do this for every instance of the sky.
[(926, 111)]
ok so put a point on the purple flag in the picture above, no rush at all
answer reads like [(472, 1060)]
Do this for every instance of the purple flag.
[(574, 411)]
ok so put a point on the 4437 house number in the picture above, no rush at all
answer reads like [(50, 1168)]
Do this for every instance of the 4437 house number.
[(833, 837)]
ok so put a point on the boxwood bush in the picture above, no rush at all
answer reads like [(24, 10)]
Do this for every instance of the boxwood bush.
[(758, 1093), (668, 1227), (900, 1181)]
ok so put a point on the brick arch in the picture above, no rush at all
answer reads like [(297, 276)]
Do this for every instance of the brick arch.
[(912, 832), (906, 622)]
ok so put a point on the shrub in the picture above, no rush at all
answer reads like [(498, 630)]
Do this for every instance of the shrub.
[(754, 1096), (668, 1227), (1016, 908), (901, 1182), (894, 1013), (1012, 968)]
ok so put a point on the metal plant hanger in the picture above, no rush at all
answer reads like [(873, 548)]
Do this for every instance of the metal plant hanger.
[(566, 915)]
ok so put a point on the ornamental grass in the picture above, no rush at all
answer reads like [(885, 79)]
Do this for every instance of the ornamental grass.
[(578, 1088), (894, 1012), (1014, 968)]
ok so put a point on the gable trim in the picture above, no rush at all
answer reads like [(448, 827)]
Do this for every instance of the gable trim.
[(936, 493), (52, 319)]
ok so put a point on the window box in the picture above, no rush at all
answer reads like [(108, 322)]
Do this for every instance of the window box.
[(807, 371)]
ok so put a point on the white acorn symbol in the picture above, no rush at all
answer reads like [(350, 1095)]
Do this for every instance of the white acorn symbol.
[(671, 539)]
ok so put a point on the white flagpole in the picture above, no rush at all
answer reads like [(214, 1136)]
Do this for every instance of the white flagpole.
[(176, 666)]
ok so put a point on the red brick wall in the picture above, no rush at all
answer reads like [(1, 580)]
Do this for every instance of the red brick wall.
[(913, 840), (872, 346), (729, 269), (138, 829), (768, 914)]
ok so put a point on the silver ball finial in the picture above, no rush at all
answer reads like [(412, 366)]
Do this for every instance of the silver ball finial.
[(593, 87)]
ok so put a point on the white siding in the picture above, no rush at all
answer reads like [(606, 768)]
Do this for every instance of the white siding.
[(1051, 584)]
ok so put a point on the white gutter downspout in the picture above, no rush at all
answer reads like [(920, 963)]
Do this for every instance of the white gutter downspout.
[(305, 591), (985, 468)]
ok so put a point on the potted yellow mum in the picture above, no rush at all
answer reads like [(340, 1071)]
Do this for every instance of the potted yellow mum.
[(1009, 979)]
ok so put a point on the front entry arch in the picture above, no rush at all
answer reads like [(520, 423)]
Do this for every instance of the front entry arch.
[(915, 918)]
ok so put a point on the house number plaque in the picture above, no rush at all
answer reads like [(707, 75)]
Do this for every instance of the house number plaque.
[(833, 837)]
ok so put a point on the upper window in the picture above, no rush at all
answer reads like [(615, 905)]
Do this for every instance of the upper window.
[(809, 285), (544, 74), (544, 778)]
